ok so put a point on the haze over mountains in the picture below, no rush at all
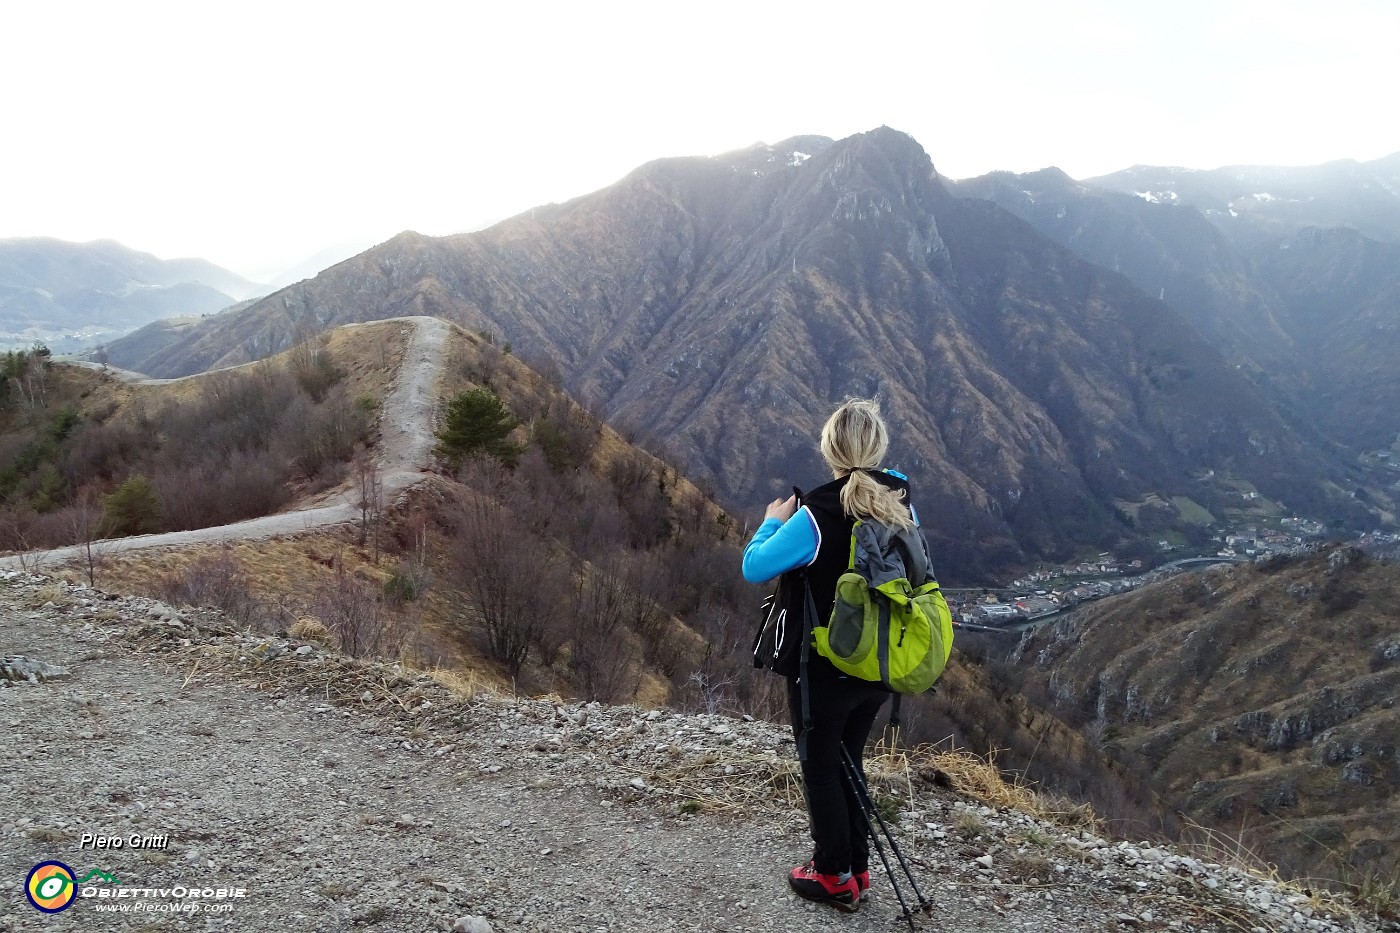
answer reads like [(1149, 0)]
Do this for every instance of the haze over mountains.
[(723, 304), (72, 295), (1260, 201)]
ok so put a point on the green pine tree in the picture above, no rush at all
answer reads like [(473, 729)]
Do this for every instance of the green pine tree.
[(133, 509), (477, 423)]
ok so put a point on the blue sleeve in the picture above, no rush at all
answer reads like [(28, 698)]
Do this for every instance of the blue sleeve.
[(778, 547), (912, 514)]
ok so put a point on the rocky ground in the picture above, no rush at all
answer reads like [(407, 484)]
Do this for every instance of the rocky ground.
[(344, 796)]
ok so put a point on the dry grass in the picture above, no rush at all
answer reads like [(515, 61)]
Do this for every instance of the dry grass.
[(273, 568), (468, 684), (1379, 893), (309, 629), (729, 783), (50, 593), (973, 776), (47, 835), (1373, 893), (969, 825), (893, 775), (1030, 867)]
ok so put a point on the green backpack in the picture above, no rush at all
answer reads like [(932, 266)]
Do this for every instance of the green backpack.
[(890, 623)]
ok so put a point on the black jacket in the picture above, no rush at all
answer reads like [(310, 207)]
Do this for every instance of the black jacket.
[(832, 560)]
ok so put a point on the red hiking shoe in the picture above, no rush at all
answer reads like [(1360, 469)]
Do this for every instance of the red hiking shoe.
[(862, 877), (827, 889)]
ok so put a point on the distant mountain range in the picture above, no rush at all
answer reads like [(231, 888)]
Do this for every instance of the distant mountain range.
[(1260, 201), (723, 305), (1293, 274), (71, 295)]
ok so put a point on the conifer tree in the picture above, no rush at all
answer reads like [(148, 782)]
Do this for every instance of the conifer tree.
[(133, 509), (477, 423)]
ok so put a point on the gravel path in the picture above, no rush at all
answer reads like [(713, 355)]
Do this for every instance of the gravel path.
[(406, 442), (342, 796)]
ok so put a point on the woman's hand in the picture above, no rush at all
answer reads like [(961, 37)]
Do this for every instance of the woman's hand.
[(781, 509)]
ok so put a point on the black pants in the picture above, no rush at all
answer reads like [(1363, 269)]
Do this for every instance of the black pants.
[(843, 712)]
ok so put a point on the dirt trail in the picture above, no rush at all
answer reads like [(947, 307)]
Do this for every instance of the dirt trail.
[(406, 442), (344, 796)]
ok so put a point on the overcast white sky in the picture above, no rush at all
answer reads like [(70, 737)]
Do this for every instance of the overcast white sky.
[(257, 133)]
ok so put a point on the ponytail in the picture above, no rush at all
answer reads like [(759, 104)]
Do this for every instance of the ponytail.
[(865, 497), (854, 440)]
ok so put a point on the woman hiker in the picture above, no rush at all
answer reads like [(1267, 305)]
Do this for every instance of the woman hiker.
[(811, 545)]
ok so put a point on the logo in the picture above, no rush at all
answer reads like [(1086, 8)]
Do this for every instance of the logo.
[(50, 887)]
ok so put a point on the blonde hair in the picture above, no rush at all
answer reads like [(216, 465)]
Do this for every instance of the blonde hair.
[(855, 439)]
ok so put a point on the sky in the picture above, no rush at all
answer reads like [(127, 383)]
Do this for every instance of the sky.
[(255, 134)]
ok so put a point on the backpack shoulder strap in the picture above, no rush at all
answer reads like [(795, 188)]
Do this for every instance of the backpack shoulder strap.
[(809, 612)]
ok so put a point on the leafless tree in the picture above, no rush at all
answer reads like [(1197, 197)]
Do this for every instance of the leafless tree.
[(85, 515), (509, 575), (354, 611), (600, 652), (415, 565), (369, 499), (29, 374)]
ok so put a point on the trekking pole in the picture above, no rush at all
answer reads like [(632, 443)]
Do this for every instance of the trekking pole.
[(862, 792), (853, 778)]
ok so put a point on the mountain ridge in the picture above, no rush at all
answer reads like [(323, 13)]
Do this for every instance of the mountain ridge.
[(1259, 695), (1305, 311), (1254, 201), (724, 304)]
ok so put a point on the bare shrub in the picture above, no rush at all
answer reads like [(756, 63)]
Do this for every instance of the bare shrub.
[(355, 614), (630, 472), (369, 499), (707, 693), (567, 434), (413, 576), (509, 577), (101, 450), (46, 529), (594, 521), (311, 365), (317, 435), (15, 524), (219, 581), (84, 519), (600, 653), (722, 674), (245, 484)]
